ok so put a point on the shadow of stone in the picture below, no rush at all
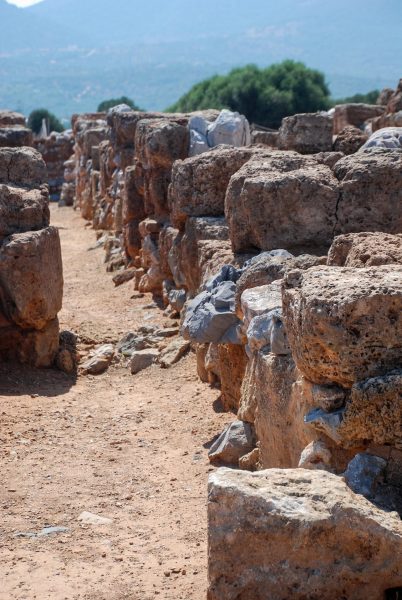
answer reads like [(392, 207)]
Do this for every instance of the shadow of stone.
[(21, 380)]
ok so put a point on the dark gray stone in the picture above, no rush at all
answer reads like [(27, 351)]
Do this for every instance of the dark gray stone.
[(364, 473)]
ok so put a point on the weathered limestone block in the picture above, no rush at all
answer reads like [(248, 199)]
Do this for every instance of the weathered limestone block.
[(273, 399), (345, 326), (370, 185), (237, 440), (232, 367), (198, 230), (37, 348), (9, 118), (199, 183), (374, 412), (268, 267), (31, 281), (355, 114), (350, 140), (275, 204), (395, 100), (133, 201), (56, 150), (67, 194), (212, 255), (91, 138), (260, 300), (22, 210), (298, 534), (123, 125), (266, 138), (306, 133), (15, 136), (366, 249), (158, 143), (22, 167)]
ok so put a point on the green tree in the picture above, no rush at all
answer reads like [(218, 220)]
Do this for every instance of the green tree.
[(36, 117), (369, 98), (106, 104), (264, 96)]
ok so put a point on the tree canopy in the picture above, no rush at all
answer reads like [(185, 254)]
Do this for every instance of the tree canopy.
[(264, 96), (369, 98), (106, 104), (36, 117)]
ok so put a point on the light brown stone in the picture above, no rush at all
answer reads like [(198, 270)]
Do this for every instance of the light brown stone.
[(298, 534), (344, 326)]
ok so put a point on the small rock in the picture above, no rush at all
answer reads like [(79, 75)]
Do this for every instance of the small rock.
[(237, 440), (327, 423), (124, 276), (177, 299), (316, 456), (99, 361), (363, 474), (46, 531), (250, 461), (91, 519), (173, 353), (328, 398), (142, 359), (167, 332)]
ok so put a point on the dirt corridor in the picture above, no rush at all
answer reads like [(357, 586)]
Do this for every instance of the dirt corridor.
[(130, 448)]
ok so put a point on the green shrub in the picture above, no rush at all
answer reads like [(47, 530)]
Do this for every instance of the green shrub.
[(264, 96), (369, 98)]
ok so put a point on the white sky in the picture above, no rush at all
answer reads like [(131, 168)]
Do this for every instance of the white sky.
[(23, 2)]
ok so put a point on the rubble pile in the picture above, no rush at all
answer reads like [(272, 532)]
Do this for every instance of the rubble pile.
[(31, 281)]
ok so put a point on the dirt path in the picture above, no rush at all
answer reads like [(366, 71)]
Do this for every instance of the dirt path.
[(130, 448)]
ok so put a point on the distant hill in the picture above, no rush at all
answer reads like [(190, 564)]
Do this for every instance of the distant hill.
[(71, 54)]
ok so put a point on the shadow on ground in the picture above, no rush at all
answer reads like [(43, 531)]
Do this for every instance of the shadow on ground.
[(21, 380)]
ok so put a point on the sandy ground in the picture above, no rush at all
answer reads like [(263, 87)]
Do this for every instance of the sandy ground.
[(130, 448)]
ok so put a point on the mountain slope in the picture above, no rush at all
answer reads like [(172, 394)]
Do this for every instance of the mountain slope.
[(21, 30), (70, 54)]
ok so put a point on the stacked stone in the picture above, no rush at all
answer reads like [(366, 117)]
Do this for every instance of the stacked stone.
[(67, 195), (31, 281), (13, 131), (392, 115), (292, 300), (56, 149), (89, 130)]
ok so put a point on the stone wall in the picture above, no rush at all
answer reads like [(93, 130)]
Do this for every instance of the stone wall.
[(285, 265), (31, 281), (56, 149)]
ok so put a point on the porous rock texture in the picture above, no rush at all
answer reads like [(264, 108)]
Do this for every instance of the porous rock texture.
[(31, 281), (285, 201), (307, 133), (298, 534), (13, 131), (366, 249), (56, 149), (355, 114), (274, 402), (370, 185), (350, 140), (344, 327), (199, 183), (374, 412)]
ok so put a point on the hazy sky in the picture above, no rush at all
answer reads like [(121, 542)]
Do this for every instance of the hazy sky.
[(23, 2)]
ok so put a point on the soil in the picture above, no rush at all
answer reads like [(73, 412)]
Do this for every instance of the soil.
[(129, 448)]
